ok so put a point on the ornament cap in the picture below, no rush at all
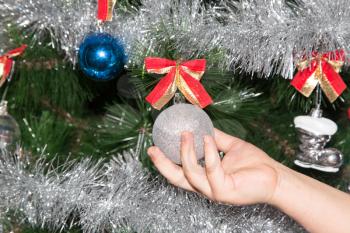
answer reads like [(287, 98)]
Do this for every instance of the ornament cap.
[(179, 99), (316, 113), (3, 108)]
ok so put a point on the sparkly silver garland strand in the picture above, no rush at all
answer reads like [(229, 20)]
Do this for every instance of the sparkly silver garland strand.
[(256, 36), (119, 194)]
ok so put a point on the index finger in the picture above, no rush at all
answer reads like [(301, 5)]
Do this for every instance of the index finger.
[(226, 142), (172, 172)]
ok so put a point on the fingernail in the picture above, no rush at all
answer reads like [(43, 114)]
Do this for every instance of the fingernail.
[(150, 151)]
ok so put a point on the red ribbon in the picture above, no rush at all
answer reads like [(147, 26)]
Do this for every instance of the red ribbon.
[(322, 69), (184, 76), (105, 10), (6, 63)]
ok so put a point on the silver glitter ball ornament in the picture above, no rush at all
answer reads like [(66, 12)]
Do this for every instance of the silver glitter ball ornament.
[(176, 119), (9, 129)]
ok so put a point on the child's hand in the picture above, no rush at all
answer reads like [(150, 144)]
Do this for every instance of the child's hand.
[(246, 175)]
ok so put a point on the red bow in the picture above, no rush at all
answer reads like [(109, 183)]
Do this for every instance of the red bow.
[(6, 63), (322, 69), (105, 10), (184, 76)]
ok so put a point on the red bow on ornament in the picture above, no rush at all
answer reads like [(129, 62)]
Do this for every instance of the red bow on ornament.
[(6, 63), (184, 76), (322, 69)]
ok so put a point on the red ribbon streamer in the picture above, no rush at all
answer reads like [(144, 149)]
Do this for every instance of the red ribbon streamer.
[(105, 10), (184, 76), (6, 63), (322, 69)]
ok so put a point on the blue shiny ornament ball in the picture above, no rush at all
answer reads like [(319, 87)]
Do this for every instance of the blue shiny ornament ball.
[(101, 56)]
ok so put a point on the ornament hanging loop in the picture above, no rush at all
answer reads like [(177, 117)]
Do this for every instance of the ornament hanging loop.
[(317, 112), (318, 97), (179, 99), (100, 26)]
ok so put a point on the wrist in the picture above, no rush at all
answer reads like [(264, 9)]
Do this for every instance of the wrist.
[(287, 185)]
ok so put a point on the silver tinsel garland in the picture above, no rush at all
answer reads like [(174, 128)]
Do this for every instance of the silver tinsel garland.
[(268, 36), (265, 36), (120, 194), (63, 20)]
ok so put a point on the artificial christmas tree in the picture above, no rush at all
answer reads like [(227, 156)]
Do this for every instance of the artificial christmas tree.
[(82, 166)]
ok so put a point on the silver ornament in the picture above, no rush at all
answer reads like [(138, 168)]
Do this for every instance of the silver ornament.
[(173, 121), (314, 133), (9, 129)]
